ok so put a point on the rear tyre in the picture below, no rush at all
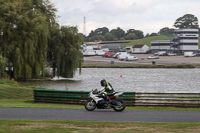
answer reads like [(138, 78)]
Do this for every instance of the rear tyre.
[(119, 105), (90, 105)]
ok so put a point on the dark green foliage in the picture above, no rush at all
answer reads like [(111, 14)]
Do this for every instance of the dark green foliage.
[(26, 27), (103, 34), (166, 31), (3, 64), (118, 33), (187, 21), (24, 37), (66, 51)]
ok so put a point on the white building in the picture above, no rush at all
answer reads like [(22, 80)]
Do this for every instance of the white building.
[(184, 40), (140, 49), (161, 46)]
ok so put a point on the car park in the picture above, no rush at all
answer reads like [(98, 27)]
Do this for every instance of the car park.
[(116, 55), (197, 54), (161, 53), (122, 55), (171, 54), (108, 54), (153, 57), (131, 58), (189, 54)]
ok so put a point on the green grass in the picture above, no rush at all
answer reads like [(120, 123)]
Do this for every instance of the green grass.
[(146, 40), (11, 90), (35, 126)]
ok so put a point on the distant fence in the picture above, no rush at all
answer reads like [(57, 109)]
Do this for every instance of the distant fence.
[(131, 98), (168, 99), (71, 97)]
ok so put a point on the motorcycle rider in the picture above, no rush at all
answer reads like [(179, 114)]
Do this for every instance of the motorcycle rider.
[(108, 89)]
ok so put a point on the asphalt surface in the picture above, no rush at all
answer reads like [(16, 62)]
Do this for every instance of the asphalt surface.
[(98, 60), (99, 115)]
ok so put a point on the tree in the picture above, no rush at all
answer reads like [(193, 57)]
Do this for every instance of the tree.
[(118, 33), (130, 36), (24, 38), (101, 31), (152, 34), (97, 38), (166, 31), (139, 34), (3, 65), (67, 56), (26, 30), (109, 37), (187, 21)]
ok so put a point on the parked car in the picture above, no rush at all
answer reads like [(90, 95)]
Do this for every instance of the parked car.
[(171, 54), (189, 54), (108, 54), (153, 57), (131, 58), (105, 49), (197, 54), (161, 53), (122, 55), (116, 55)]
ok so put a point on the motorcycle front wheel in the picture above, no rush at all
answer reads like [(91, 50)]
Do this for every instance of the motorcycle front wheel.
[(119, 105), (90, 105)]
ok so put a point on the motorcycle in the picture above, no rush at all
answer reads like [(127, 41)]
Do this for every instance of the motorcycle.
[(96, 100)]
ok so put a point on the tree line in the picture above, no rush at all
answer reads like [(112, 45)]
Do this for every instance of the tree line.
[(115, 34), (103, 34), (32, 40)]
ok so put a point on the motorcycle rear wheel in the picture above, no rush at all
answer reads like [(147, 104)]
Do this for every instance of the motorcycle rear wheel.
[(120, 105), (90, 105)]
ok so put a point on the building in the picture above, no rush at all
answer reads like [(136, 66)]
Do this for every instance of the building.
[(140, 49), (165, 45), (129, 49), (184, 40)]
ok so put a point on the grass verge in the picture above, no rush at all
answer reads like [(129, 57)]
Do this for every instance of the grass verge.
[(31, 126)]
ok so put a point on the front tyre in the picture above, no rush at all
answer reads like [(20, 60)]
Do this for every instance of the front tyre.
[(90, 105), (119, 105)]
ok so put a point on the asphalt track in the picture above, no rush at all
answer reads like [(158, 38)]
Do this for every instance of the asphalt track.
[(99, 115)]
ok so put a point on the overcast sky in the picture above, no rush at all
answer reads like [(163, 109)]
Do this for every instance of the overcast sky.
[(146, 15)]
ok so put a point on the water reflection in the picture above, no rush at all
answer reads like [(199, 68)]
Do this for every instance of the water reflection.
[(138, 80)]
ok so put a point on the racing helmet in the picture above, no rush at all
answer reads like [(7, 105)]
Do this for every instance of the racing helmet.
[(103, 82)]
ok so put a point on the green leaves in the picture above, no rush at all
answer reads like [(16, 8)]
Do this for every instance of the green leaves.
[(187, 21), (29, 32), (66, 53)]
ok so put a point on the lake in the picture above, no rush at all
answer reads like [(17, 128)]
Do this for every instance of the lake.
[(137, 80)]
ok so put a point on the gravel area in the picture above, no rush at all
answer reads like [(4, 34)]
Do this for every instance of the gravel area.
[(99, 60)]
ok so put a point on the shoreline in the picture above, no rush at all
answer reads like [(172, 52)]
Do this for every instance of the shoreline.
[(183, 66), (146, 66)]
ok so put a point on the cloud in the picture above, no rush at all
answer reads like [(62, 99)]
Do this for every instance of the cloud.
[(146, 15)]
